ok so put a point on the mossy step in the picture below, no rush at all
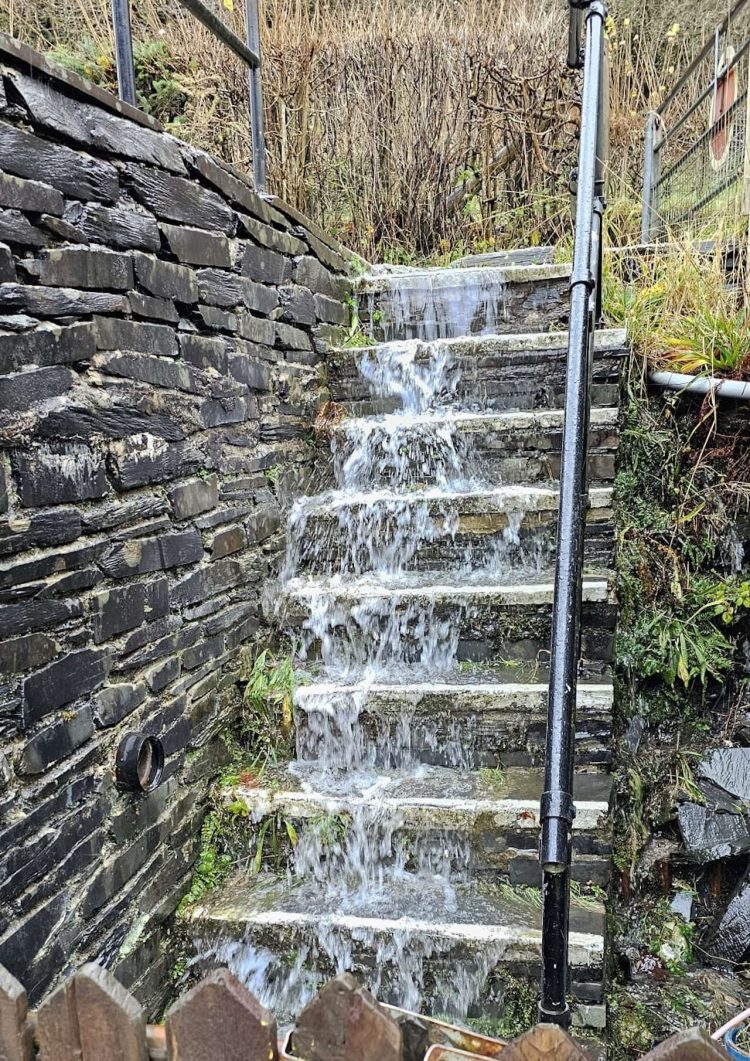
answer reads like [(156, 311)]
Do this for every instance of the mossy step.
[(341, 532), (497, 448), (494, 372), (459, 823), (419, 943), (365, 621), (471, 724), (435, 303)]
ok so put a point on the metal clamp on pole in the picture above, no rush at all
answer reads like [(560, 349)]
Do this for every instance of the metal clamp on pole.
[(557, 808)]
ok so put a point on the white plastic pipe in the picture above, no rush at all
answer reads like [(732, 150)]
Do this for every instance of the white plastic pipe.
[(723, 388)]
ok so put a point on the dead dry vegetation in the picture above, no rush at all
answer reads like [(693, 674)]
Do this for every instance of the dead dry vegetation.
[(411, 130)]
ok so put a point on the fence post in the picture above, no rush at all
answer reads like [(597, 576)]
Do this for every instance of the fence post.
[(651, 174), (124, 51), (255, 89)]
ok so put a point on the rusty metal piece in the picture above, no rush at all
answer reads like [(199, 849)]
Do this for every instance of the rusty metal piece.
[(456, 1037)]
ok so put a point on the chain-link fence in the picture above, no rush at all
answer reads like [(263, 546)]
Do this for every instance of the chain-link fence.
[(697, 139)]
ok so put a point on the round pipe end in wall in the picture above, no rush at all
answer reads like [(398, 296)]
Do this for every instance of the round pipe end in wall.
[(139, 766)]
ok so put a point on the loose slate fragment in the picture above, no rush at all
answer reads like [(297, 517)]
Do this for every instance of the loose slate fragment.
[(220, 1019), (729, 768), (546, 1042), (728, 939), (709, 834), (345, 1023), (15, 1033), (92, 1018)]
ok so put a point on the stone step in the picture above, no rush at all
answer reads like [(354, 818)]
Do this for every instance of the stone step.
[(418, 943), (343, 532), (459, 824), (496, 372), (446, 303), (465, 451), (491, 720), (430, 625)]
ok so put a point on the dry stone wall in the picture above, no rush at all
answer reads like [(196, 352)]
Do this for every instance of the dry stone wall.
[(162, 329)]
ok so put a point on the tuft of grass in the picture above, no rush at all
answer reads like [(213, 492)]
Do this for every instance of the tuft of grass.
[(711, 342), (268, 714)]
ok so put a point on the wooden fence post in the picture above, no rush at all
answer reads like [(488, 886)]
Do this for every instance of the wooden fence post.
[(91, 1018), (15, 1032), (220, 1019), (546, 1042), (692, 1045)]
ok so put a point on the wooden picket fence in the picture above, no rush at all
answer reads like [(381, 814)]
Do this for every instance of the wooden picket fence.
[(91, 1017)]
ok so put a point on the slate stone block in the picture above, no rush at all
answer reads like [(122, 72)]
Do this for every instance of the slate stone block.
[(41, 301), (83, 267), (238, 191), (112, 334), (49, 344), (265, 266), (205, 352), (67, 679), (8, 274), (157, 599), (115, 702), (256, 329), (31, 615), (139, 556), (41, 529), (158, 371), (58, 473), (231, 540), (93, 126), (218, 288), (25, 653), (15, 227), (166, 279), (218, 319), (297, 304), (73, 173), (198, 247), (118, 610), (80, 421), (193, 497), (264, 522), (162, 674), (289, 338), (114, 226), (221, 575), (310, 273), (254, 374), (29, 936), (331, 310), (160, 309), (217, 411), (329, 257), (177, 199), (56, 742), (33, 196), (272, 238), (144, 459), (20, 391)]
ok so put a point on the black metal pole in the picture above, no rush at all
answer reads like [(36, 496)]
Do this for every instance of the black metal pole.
[(557, 808), (255, 90), (124, 51)]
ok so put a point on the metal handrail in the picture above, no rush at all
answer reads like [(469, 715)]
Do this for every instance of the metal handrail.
[(557, 807), (248, 51)]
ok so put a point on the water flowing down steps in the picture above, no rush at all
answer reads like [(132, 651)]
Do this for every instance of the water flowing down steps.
[(418, 591)]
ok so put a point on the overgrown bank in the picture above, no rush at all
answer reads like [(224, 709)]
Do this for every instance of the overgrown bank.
[(683, 490)]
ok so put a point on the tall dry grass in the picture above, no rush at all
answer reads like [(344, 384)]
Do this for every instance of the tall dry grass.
[(410, 128)]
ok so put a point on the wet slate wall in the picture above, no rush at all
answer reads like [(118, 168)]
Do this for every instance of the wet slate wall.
[(161, 333)]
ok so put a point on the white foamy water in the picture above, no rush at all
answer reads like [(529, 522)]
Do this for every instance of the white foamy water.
[(393, 523)]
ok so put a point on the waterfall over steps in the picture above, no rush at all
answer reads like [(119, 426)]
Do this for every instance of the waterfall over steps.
[(417, 590)]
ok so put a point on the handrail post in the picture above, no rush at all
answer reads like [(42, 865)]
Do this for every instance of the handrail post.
[(255, 90), (557, 807), (124, 51), (651, 167)]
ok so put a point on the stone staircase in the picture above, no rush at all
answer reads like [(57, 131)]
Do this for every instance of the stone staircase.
[(418, 590)]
